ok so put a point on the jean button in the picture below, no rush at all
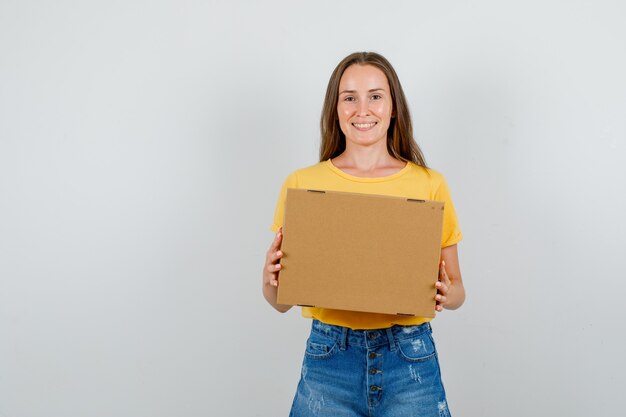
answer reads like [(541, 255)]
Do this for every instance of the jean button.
[(374, 371), (375, 388), (373, 335), (372, 355)]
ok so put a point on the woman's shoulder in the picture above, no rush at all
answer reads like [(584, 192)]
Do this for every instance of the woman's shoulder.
[(313, 170), (433, 176), (300, 176)]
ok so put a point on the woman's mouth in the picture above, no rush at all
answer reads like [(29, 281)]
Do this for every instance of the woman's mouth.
[(364, 126)]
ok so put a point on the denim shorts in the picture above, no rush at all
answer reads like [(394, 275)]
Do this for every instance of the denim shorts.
[(388, 372)]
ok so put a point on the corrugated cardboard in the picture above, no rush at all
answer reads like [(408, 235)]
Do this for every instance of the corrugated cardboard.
[(360, 252)]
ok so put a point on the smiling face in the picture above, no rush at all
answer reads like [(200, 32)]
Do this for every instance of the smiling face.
[(364, 105)]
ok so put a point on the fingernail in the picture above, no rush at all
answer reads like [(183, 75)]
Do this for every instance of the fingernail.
[(279, 253)]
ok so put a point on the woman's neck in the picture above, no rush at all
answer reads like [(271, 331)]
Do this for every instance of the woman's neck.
[(367, 162)]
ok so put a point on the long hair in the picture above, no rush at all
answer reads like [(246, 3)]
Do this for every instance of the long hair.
[(400, 142)]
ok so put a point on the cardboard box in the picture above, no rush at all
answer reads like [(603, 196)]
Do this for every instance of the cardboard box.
[(360, 252)]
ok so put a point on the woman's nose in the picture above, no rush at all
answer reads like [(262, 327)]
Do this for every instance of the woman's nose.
[(363, 108)]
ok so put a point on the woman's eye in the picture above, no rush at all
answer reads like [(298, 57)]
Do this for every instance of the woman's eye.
[(349, 98), (376, 97)]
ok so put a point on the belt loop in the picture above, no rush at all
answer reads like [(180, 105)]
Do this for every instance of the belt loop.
[(344, 338), (390, 338)]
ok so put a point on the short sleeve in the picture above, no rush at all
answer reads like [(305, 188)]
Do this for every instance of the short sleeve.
[(451, 233), (290, 182)]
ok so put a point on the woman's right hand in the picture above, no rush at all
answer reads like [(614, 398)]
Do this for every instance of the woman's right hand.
[(272, 261), (270, 273)]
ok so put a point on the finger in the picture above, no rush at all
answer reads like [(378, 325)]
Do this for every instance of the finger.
[(273, 268), (277, 240), (445, 278), (442, 288), (274, 256), (441, 298), (270, 277)]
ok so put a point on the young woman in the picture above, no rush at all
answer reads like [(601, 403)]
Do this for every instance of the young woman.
[(366, 364)]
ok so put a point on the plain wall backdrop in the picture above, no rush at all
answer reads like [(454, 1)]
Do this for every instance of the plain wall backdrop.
[(143, 145)]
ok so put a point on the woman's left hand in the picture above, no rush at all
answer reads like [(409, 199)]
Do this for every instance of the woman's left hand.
[(443, 286)]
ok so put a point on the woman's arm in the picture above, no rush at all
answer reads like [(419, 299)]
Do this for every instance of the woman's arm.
[(270, 273), (450, 290)]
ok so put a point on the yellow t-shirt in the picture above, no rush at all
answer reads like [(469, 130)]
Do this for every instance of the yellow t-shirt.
[(412, 181)]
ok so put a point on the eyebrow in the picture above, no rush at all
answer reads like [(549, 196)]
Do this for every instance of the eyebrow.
[(354, 91)]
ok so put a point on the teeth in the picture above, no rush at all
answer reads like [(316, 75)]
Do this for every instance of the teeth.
[(364, 125)]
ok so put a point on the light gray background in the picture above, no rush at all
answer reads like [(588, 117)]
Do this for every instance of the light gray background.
[(143, 144)]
